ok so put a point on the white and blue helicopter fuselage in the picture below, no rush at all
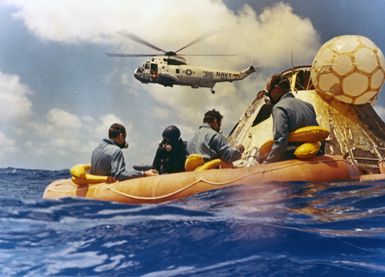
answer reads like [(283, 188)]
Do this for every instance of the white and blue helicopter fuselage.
[(170, 71)]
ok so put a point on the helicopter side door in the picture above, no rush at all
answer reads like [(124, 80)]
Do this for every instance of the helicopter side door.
[(153, 71)]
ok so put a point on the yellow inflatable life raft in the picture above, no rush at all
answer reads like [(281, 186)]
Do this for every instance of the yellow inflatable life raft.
[(311, 136), (167, 187)]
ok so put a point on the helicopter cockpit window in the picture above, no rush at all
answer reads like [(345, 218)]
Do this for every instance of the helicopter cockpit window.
[(303, 80), (147, 66), (263, 114)]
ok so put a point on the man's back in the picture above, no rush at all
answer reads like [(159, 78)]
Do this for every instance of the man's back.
[(211, 145), (289, 114), (102, 157), (200, 143), (299, 113)]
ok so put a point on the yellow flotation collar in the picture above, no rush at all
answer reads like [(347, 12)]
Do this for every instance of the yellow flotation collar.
[(311, 136), (195, 162), (80, 176)]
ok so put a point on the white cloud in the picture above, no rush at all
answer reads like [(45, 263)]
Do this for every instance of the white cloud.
[(267, 38), (7, 145), (59, 141), (161, 113), (62, 119), (15, 104), (76, 136)]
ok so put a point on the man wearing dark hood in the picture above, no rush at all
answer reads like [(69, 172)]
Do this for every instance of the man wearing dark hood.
[(171, 153), (107, 159)]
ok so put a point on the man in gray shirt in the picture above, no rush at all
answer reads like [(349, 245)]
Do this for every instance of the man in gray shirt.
[(289, 114), (209, 143), (107, 159)]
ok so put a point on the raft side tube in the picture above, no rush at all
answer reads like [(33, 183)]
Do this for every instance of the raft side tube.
[(163, 188)]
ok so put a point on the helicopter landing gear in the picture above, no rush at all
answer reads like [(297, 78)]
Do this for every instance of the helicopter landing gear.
[(212, 91)]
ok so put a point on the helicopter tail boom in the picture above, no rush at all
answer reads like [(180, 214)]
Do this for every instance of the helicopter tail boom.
[(233, 76), (246, 72)]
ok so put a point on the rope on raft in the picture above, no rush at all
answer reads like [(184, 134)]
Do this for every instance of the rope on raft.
[(179, 190)]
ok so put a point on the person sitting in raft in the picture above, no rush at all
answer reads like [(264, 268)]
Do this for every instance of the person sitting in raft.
[(289, 114), (171, 153), (209, 143), (107, 158)]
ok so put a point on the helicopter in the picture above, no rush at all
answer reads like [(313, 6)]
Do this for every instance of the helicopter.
[(170, 68)]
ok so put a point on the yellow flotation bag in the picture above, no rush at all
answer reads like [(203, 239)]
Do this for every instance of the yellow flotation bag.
[(307, 150), (310, 135), (195, 162), (80, 176)]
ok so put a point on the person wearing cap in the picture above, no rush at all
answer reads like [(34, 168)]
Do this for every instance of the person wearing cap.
[(209, 142), (107, 158), (171, 153), (289, 114)]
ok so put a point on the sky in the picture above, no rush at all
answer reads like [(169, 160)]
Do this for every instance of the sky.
[(59, 91)]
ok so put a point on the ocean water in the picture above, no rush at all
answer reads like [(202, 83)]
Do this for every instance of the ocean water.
[(277, 229)]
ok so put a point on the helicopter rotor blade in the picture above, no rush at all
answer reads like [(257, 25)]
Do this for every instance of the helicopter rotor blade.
[(208, 55), (198, 39), (131, 55), (140, 40)]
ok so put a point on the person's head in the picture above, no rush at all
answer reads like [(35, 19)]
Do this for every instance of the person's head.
[(276, 87), (214, 119), (171, 135), (117, 133)]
